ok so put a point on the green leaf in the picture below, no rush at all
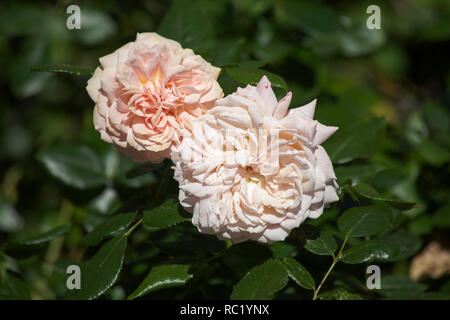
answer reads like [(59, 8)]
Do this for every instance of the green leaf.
[(399, 287), (434, 152), (243, 256), (62, 68), (437, 118), (43, 237), (162, 277), (21, 18), (441, 218), (363, 221), (251, 64), (112, 226), (116, 167), (389, 248), (10, 220), (298, 273), (143, 169), (226, 51), (250, 75), (254, 8), (105, 202), (359, 141), (367, 191), (422, 296), (310, 17), (421, 225), (76, 166), (357, 173), (13, 288), (166, 215), (189, 23), (317, 241), (339, 294), (22, 81), (96, 26), (283, 249), (261, 282), (186, 250), (101, 272)]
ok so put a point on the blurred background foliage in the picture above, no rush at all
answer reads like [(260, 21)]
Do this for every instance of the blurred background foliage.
[(322, 49)]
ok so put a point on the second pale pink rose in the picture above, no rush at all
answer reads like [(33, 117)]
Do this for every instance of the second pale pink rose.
[(253, 169)]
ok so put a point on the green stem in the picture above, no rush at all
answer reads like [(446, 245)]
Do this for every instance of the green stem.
[(335, 260), (134, 227)]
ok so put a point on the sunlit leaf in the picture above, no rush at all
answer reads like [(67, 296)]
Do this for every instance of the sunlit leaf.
[(43, 237), (298, 273), (105, 202), (317, 241), (112, 226), (10, 220), (363, 221), (76, 166), (389, 248), (162, 277), (61, 68), (100, 272), (166, 215)]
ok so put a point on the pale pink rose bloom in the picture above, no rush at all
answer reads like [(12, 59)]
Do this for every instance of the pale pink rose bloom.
[(231, 183), (146, 94)]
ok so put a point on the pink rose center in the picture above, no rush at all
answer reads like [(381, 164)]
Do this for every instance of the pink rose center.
[(157, 100)]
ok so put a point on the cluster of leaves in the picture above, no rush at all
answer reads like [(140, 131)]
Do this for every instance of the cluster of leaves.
[(121, 223)]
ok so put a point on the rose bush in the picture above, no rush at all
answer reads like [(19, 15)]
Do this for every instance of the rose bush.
[(122, 222)]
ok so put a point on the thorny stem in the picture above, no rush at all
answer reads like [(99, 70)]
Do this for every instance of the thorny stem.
[(335, 260)]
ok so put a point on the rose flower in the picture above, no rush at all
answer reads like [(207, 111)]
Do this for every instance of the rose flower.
[(146, 94), (252, 169)]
